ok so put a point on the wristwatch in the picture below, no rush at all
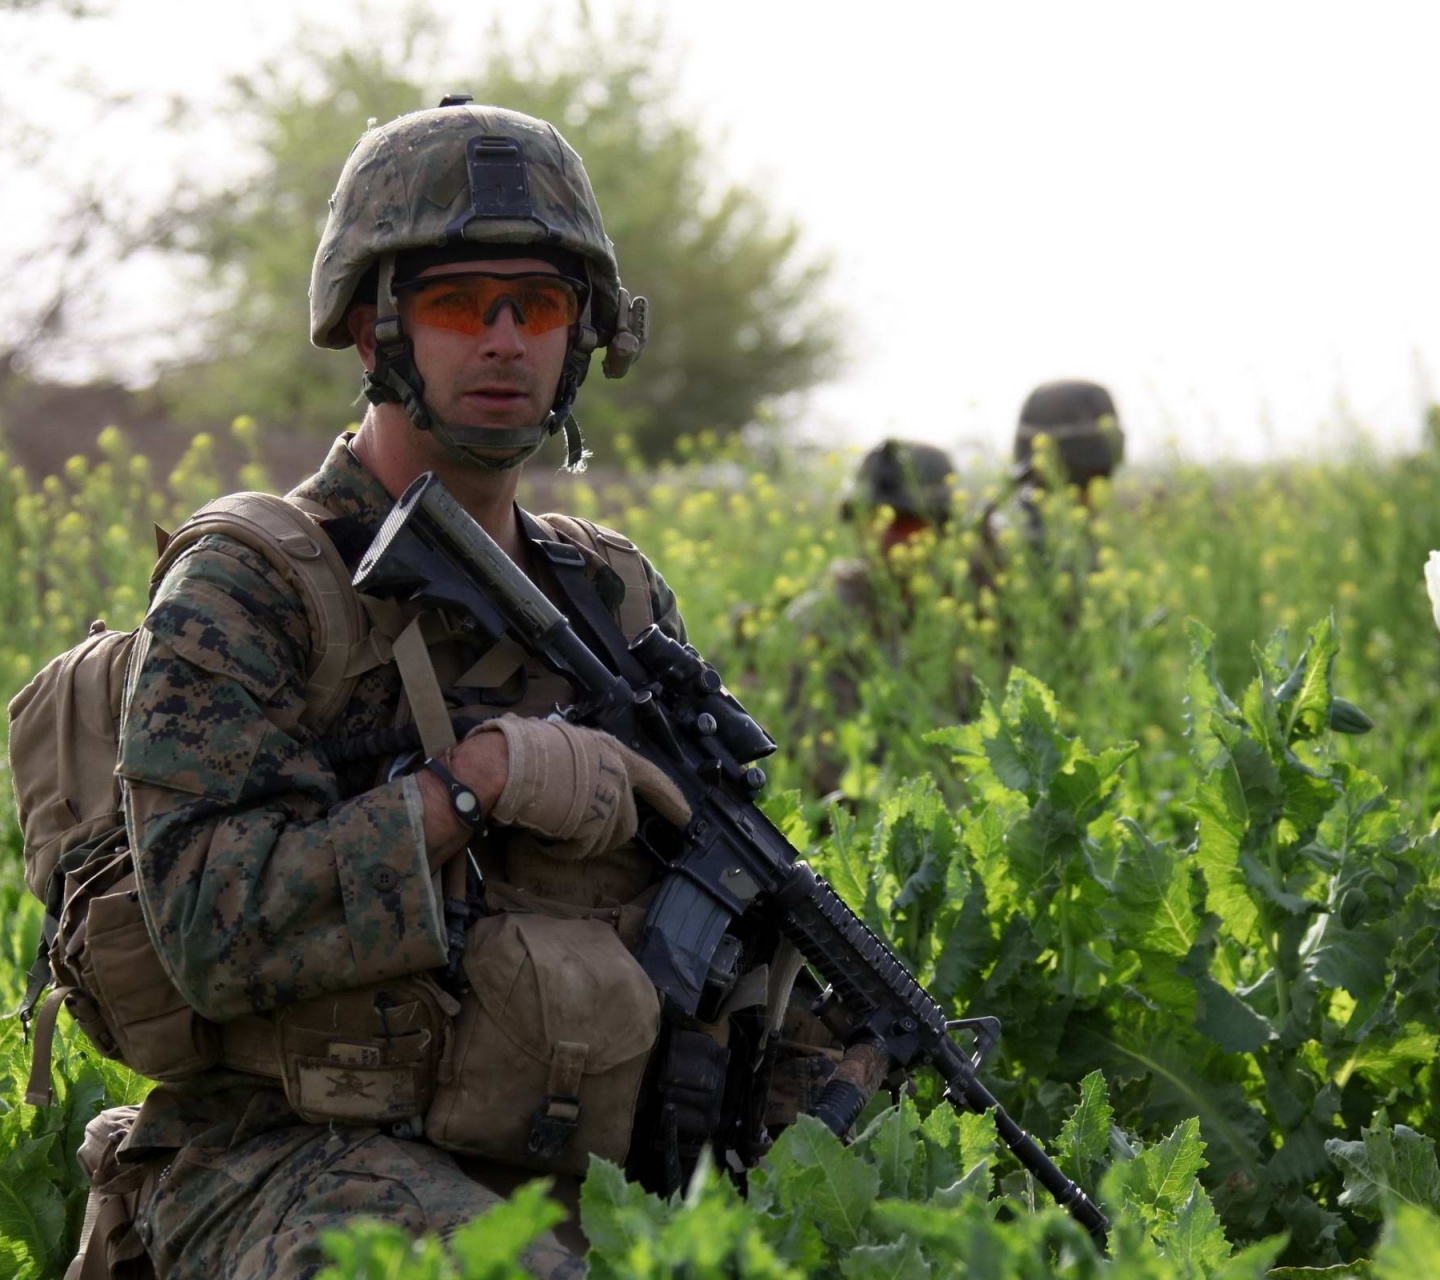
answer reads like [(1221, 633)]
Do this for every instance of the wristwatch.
[(464, 801)]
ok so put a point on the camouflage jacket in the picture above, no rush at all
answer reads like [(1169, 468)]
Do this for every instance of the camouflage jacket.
[(266, 875)]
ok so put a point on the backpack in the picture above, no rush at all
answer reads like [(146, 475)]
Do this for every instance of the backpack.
[(95, 947)]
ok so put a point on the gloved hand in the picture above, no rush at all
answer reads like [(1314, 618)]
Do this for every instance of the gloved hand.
[(576, 786)]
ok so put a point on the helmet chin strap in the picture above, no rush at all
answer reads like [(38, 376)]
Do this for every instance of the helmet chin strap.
[(396, 380)]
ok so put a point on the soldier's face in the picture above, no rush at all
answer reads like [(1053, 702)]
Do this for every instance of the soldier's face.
[(505, 375)]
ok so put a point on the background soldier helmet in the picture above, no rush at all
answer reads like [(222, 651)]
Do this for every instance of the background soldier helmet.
[(467, 181), (1080, 418), (912, 478)]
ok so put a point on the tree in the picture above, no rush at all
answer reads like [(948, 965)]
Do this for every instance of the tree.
[(738, 320)]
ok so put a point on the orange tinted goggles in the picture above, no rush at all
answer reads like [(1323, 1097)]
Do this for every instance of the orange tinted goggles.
[(468, 301)]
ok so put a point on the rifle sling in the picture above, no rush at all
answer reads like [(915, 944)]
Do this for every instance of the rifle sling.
[(587, 612)]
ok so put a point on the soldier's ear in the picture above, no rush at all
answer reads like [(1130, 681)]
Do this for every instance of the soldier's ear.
[(360, 321)]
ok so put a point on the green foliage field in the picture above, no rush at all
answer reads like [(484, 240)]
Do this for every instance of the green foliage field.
[(1203, 906)]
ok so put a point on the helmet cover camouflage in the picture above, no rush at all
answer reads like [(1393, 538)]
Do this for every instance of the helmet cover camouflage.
[(1080, 418), (913, 479), (408, 185)]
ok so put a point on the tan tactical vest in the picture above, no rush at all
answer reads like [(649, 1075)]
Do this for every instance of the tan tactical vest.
[(541, 1062)]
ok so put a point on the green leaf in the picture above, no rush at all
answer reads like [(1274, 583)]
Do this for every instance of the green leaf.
[(1085, 1136), (1082, 787), (1256, 1262), (1222, 816), (369, 1248), (900, 1260), (1207, 705), (1388, 1164), (32, 1207), (1307, 713), (840, 1187), (1149, 907), (1302, 1158), (891, 1142), (614, 1213), (846, 867), (1355, 959), (489, 1248), (1410, 1247), (1194, 1238), (1163, 1176)]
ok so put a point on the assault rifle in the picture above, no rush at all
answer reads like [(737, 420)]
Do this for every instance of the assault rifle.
[(730, 864)]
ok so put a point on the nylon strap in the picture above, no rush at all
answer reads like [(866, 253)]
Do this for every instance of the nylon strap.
[(422, 687), (39, 1091), (81, 1265), (501, 661), (636, 610), (567, 1066), (585, 606)]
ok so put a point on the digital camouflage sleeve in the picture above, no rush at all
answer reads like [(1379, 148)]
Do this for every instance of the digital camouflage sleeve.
[(262, 881)]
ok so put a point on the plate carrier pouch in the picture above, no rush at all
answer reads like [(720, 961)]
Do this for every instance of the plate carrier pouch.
[(552, 1041), (64, 740)]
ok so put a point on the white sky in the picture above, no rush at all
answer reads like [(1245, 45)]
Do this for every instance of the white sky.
[(1227, 212)]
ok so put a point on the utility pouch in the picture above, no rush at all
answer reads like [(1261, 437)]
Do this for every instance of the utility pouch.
[(367, 1056), (110, 1246), (550, 1046), (123, 998)]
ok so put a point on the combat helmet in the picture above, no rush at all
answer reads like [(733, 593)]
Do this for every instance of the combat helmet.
[(1080, 418), (459, 176), (913, 479)]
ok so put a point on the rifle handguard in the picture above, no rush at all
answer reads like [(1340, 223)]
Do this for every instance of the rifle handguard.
[(852, 1086)]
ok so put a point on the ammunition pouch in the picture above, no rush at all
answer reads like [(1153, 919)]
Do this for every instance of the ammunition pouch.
[(552, 1041), (367, 1056), (692, 1086)]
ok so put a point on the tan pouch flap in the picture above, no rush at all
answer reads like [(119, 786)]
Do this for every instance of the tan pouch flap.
[(545, 979)]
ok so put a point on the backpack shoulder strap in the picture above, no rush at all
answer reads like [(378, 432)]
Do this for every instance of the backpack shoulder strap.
[(286, 531), (637, 610)]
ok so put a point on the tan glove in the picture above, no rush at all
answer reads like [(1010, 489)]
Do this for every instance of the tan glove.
[(577, 786)]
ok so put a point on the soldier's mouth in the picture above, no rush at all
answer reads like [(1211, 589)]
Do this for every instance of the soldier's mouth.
[(495, 396)]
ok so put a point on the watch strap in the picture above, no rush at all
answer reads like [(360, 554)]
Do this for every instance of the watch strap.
[(464, 802)]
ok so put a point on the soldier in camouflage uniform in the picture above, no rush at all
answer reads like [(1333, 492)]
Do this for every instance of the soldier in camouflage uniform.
[(1081, 423), (465, 259), (860, 610)]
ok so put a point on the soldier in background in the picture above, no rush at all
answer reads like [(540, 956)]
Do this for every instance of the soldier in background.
[(901, 491), (1080, 421)]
